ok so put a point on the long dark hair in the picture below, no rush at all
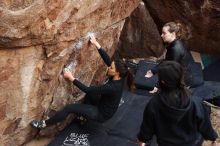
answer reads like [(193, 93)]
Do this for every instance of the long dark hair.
[(125, 71), (182, 30), (171, 82)]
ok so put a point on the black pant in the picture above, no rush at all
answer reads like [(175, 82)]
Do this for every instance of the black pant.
[(87, 110)]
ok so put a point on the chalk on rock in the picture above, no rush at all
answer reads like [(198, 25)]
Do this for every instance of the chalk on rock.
[(90, 34), (70, 67), (79, 44)]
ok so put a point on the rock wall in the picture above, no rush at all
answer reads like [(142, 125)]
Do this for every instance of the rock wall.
[(37, 38), (202, 16), (140, 37)]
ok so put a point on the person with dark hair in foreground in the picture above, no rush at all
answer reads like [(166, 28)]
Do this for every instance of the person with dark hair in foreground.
[(110, 93), (175, 117)]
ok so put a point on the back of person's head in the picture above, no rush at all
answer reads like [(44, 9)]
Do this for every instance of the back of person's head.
[(181, 30), (124, 71), (171, 73), (171, 79)]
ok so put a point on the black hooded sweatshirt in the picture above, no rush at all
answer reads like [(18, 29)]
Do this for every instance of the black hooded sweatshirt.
[(175, 126)]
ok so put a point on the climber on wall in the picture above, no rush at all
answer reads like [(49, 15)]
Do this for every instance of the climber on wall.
[(110, 93), (175, 117)]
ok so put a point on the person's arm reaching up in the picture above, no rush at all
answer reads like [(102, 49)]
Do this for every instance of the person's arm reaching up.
[(101, 51)]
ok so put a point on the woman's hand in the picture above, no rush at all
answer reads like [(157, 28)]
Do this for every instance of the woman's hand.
[(94, 42), (68, 75), (154, 90), (149, 74), (141, 143), (215, 143), (93, 39)]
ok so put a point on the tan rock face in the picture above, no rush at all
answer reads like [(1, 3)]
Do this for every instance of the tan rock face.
[(140, 37), (32, 22), (37, 38), (202, 16)]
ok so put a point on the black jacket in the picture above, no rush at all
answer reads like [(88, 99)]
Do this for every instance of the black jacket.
[(110, 92), (175, 126), (177, 51)]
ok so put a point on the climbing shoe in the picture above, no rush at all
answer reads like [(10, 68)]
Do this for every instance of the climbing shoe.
[(38, 124), (81, 120)]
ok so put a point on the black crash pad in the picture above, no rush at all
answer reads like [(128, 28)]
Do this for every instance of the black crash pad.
[(89, 134), (196, 74), (120, 130), (206, 91), (212, 71), (140, 80)]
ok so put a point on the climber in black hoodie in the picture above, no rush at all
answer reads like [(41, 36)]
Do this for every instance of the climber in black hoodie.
[(172, 115)]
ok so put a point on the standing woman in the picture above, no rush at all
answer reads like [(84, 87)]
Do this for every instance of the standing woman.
[(173, 35), (110, 93), (172, 115)]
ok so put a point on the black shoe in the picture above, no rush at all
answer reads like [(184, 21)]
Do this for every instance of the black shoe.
[(81, 120), (38, 124), (214, 102)]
